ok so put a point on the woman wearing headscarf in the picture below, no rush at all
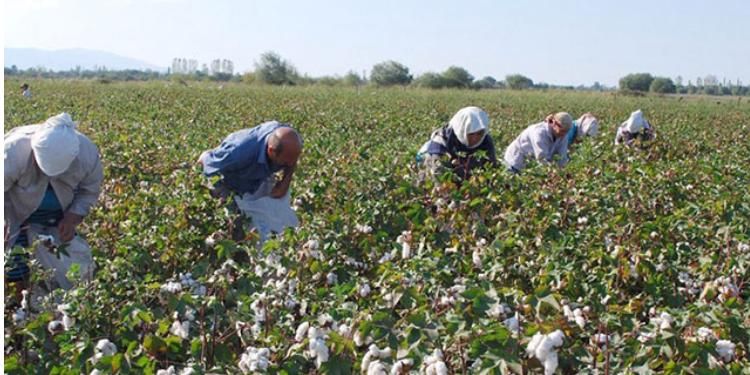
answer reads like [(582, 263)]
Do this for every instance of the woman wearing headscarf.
[(467, 132), (541, 141), (586, 126), (635, 127), (53, 177)]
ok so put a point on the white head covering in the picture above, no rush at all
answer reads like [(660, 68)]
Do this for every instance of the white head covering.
[(635, 122), (470, 120), (55, 144), (588, 125)]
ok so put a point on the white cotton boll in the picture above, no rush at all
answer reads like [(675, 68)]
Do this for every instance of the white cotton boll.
[(96, 372), (187, 371), (476, 259), (364, 290), (405, 251), (360, 340), (19, 316), (332, 278), (172, 287), (743, 247), (312, 244), (190, 314), (437, 368), (377, 368), (68, 322), (666, 321), (606, 299), (24, 299), (583, 220), (210, 241), (168, 371), (725, 349), (567, 311), (105, 347), (54, 327), (512, 324), (345, 330), (364, 229), (654, 235), (550, 363), (601, 339), (705, 334), (180, 329), (254, 360)]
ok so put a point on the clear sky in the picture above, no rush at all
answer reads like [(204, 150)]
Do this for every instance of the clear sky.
[(553, 41)]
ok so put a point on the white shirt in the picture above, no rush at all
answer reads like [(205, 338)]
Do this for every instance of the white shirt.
[(537, 142)]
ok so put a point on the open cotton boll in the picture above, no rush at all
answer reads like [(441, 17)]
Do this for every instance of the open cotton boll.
[(512, 324), (169, 371), (364, 229), (543, 347), (301, 331), (254, 360), (317, 348), (171, 287), (19, 316), (106, 347), (377, 368), (476, 258), (705, 334), (332, 278), (180, 329), (364, 290), (725, 350), (54, 327)]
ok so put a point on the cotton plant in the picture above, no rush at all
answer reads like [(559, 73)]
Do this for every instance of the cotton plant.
[(254, 360), (371, 363), (317, 349), (725, 350), (434, 364), (544, 348), (405, 239), (103, 348), (574, 315)]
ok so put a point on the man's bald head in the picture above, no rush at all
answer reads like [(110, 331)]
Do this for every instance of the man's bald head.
[(284, 146)]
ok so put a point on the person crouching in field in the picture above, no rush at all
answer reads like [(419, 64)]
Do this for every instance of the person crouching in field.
[(542, 142), (25, 90), (636, 127), (248, 161), (53, 177), (586, 126), (466, 133)]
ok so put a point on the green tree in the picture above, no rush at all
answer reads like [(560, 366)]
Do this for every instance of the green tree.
[(430, 80), (272, 69), (518, 82), (457, 77), (486, 83), (636, 82), (390, 73), (353, 79), (662, 85)]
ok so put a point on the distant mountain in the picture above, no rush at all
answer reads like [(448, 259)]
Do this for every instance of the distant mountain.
[(66, 59)]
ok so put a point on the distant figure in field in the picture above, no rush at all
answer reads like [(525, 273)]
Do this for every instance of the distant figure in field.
[(467, 132), (636, 127), (248, 161), (25, 90), (53, 177), (542, 142)]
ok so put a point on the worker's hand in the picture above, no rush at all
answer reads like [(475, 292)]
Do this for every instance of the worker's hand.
[(67, 226)]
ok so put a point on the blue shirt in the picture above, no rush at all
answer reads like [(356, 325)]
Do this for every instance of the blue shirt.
[(241, 158), (572, 132), (49, 211)]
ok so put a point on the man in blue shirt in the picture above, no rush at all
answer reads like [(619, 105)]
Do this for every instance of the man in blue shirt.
[(248, 161)]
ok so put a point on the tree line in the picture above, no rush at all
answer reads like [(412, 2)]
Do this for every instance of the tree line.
[(272, 69)]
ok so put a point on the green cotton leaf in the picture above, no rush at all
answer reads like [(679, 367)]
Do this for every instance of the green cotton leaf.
[(154, 344), (222, 353), (547, 300)]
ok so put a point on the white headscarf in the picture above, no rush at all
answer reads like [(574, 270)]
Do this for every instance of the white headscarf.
[(635, 122), (588, 125), (470, 120), (55, 144)]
